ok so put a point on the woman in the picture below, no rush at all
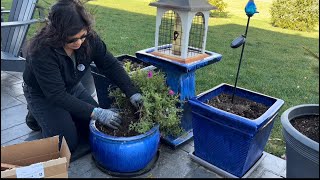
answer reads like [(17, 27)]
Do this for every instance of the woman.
[(57, 58)]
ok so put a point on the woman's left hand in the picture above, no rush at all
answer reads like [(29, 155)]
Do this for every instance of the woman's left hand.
[(136, 100)]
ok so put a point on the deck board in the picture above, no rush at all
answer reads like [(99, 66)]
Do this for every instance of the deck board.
[(28, 137), (12, 116), (15, 132), (8, 101)]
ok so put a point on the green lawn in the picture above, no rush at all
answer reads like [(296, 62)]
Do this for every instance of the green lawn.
[(274, 61)]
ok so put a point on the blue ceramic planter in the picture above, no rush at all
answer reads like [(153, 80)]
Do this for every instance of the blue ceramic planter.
[(228, 141), (124, 154)]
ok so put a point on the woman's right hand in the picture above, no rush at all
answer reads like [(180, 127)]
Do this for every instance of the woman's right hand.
[(107, 117)]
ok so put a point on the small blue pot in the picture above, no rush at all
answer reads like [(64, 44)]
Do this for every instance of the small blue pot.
[(124, 154)]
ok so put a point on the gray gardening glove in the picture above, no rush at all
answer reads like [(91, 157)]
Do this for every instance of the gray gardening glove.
[(136, 100), (107, 117)]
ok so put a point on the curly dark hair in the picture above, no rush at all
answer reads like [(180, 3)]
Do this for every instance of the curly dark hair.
[(66, 18)]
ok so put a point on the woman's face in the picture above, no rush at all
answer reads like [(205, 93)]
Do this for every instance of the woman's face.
[(74, 42)]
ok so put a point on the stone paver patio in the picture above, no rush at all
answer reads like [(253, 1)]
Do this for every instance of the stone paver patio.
[(170, 164)]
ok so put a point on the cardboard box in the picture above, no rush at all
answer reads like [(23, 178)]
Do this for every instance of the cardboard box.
[(38, 158)]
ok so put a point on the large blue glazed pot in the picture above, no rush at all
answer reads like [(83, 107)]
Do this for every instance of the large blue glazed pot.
[(123, 154), (228, 141)]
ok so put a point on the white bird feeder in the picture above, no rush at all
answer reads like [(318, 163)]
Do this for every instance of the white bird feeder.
[(181, 29)]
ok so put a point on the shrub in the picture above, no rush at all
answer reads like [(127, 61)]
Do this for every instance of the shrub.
[(300, 15), (160, 104), (221, 6)]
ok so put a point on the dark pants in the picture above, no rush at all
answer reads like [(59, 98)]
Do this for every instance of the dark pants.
[(54, 120)]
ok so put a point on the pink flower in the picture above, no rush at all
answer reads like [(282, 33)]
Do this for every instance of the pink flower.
[(150, 74), (171, 92)]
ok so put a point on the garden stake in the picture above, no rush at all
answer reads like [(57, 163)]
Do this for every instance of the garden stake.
[(250, 10)]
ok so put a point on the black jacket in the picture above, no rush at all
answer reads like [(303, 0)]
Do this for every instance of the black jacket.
[(52, 73)]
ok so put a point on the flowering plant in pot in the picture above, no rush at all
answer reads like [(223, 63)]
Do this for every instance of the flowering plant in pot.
[(134, 145), (231, 125), (159, 103)]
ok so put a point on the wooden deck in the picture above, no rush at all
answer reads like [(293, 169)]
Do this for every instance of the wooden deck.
[(171, 163)]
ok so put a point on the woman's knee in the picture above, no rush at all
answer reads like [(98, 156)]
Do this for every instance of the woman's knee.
[(58, 122), (71, 138), (83, 94), (69, 133)]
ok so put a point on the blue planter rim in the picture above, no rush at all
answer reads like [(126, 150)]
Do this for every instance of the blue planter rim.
[(104, 136), (213, 57), (260, 121), (285, 121)]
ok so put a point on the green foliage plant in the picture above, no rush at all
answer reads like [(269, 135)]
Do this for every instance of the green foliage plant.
[(160, 104), (301, 15), (221, 7)]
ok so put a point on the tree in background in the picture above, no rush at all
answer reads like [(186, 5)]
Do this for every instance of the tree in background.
[(301, 15)]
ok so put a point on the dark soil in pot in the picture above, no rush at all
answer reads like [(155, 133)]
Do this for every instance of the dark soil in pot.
[(240, 106), (308, 125), (127, 116)]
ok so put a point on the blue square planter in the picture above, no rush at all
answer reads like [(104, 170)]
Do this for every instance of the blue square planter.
[(228, 141)]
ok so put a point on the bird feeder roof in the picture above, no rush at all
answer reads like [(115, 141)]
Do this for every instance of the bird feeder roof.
[(184, 5)]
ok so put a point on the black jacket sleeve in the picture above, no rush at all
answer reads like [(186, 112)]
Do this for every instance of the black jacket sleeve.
[(109, 66), (48, 76)]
